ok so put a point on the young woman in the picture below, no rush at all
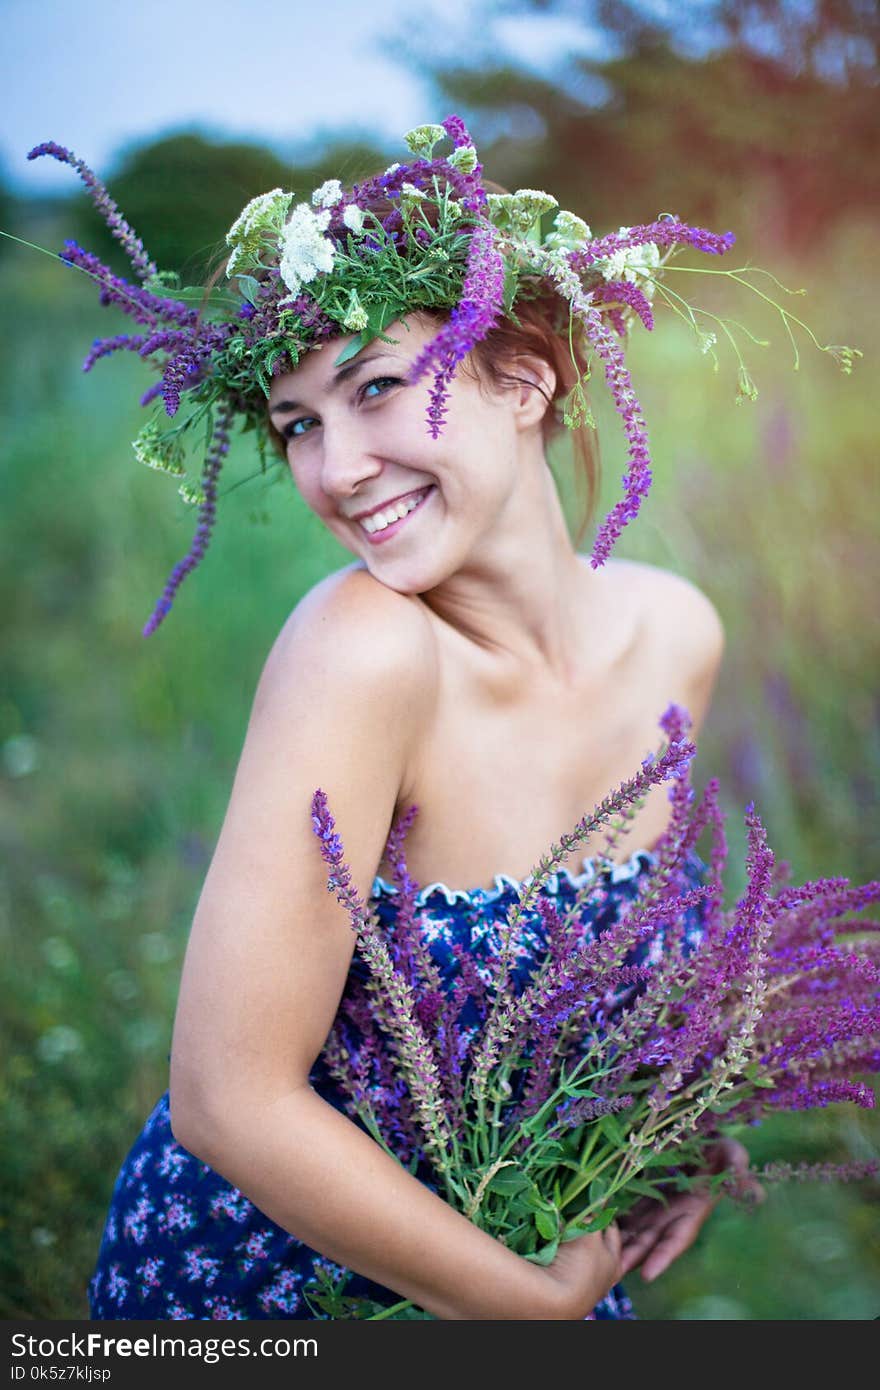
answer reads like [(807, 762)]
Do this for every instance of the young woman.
[(469, 660)]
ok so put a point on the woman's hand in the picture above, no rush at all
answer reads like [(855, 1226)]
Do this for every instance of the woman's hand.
[(654, 1234), (582, 1273)]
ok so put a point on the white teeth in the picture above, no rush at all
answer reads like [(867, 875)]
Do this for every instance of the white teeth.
[(379, 520)]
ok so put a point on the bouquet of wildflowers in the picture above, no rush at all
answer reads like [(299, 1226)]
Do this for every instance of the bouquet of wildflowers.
[(545, 1107)]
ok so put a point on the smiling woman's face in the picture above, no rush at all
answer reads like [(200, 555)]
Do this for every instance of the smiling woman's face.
[(357, 443)]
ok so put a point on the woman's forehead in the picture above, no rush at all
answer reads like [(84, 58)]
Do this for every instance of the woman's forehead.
[(318, 370)]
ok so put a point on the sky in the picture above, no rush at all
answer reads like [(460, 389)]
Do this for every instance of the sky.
[(101, 74)]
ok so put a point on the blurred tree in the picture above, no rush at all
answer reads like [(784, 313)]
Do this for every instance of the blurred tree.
[(765, 110), (183, 192)]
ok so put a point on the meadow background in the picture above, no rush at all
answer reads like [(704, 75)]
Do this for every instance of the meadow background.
[(117, 754)]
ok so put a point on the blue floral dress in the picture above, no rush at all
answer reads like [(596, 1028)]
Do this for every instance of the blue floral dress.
[(181, 1242)]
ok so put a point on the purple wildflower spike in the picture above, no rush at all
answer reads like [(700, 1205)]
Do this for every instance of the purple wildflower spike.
[(637, 479), (414, 1050), (572, 1114), (630, 294), (119, 228), (666, 231), (103, 347), (213, 463), (470, 321), (141, 304)]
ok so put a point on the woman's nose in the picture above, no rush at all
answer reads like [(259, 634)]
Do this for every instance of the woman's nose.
[(345, 462)]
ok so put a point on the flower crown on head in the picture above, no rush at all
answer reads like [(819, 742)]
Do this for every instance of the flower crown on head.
[(302, 273)]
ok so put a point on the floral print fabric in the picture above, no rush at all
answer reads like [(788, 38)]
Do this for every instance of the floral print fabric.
[(180, 1242)]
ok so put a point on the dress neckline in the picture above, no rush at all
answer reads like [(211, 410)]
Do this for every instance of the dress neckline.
[(594, 867)]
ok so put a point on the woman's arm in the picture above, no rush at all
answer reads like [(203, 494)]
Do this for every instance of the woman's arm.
[(340, 705)]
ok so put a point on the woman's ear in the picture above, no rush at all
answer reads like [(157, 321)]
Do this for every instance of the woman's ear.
[(533, 385)]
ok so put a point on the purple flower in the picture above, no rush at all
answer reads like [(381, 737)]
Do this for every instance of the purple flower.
[(141, 304), (574, 1113), (217, 452), (103, 347), (667, 231), (119, 228), (470, 321), (616, 290)]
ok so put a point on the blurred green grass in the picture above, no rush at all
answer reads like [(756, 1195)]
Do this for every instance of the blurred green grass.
[(118, 753)]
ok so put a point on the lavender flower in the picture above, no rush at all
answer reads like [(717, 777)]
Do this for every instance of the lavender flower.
[(470, 321), (398, 1005), (667, 231), (621, 291), (216, 454), (573, 1114), (143, 306), (119, 228)]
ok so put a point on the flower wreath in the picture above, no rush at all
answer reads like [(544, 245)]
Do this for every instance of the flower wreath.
[(301, 273)]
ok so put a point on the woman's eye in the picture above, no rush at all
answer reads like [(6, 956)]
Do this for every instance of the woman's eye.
[(379, 381), (292, 432)]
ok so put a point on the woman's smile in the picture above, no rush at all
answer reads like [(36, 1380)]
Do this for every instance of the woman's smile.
[(382, 525)]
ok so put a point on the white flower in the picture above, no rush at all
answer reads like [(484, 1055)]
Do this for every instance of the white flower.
[(154, 451), (392, 169), (569, 232), (464, 159), (261, 217), (410, 196), (305, 251), (633, 263), (520, 210), (356, 315), (353, 217), (192, 496), (422, 139), (328, 194)]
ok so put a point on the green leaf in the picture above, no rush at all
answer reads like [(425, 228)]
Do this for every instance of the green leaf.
[(518, 1207), (598, 1188), (645, 1189), (511, 280), (249, 286), (599, 1223), (508, 1181), (550, 1153), (613, 1130), (658, 1159), (577, 1088), (755, 1073), (533, 1200), (546, 1255), (359, 341), (722, 1105), (547, 1224)]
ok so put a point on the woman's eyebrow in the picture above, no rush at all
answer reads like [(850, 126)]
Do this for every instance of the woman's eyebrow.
[(285, 407)]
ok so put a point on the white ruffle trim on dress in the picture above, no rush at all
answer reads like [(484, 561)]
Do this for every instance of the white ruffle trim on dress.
[(618, 873)]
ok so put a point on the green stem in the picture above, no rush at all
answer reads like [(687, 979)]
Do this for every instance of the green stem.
[(389, 1312)]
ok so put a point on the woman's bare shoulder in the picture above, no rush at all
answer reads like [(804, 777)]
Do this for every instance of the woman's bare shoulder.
[(675, 607), (352, 625)]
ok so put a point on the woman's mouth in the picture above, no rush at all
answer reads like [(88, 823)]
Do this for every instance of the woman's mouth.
[(381, 526)]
